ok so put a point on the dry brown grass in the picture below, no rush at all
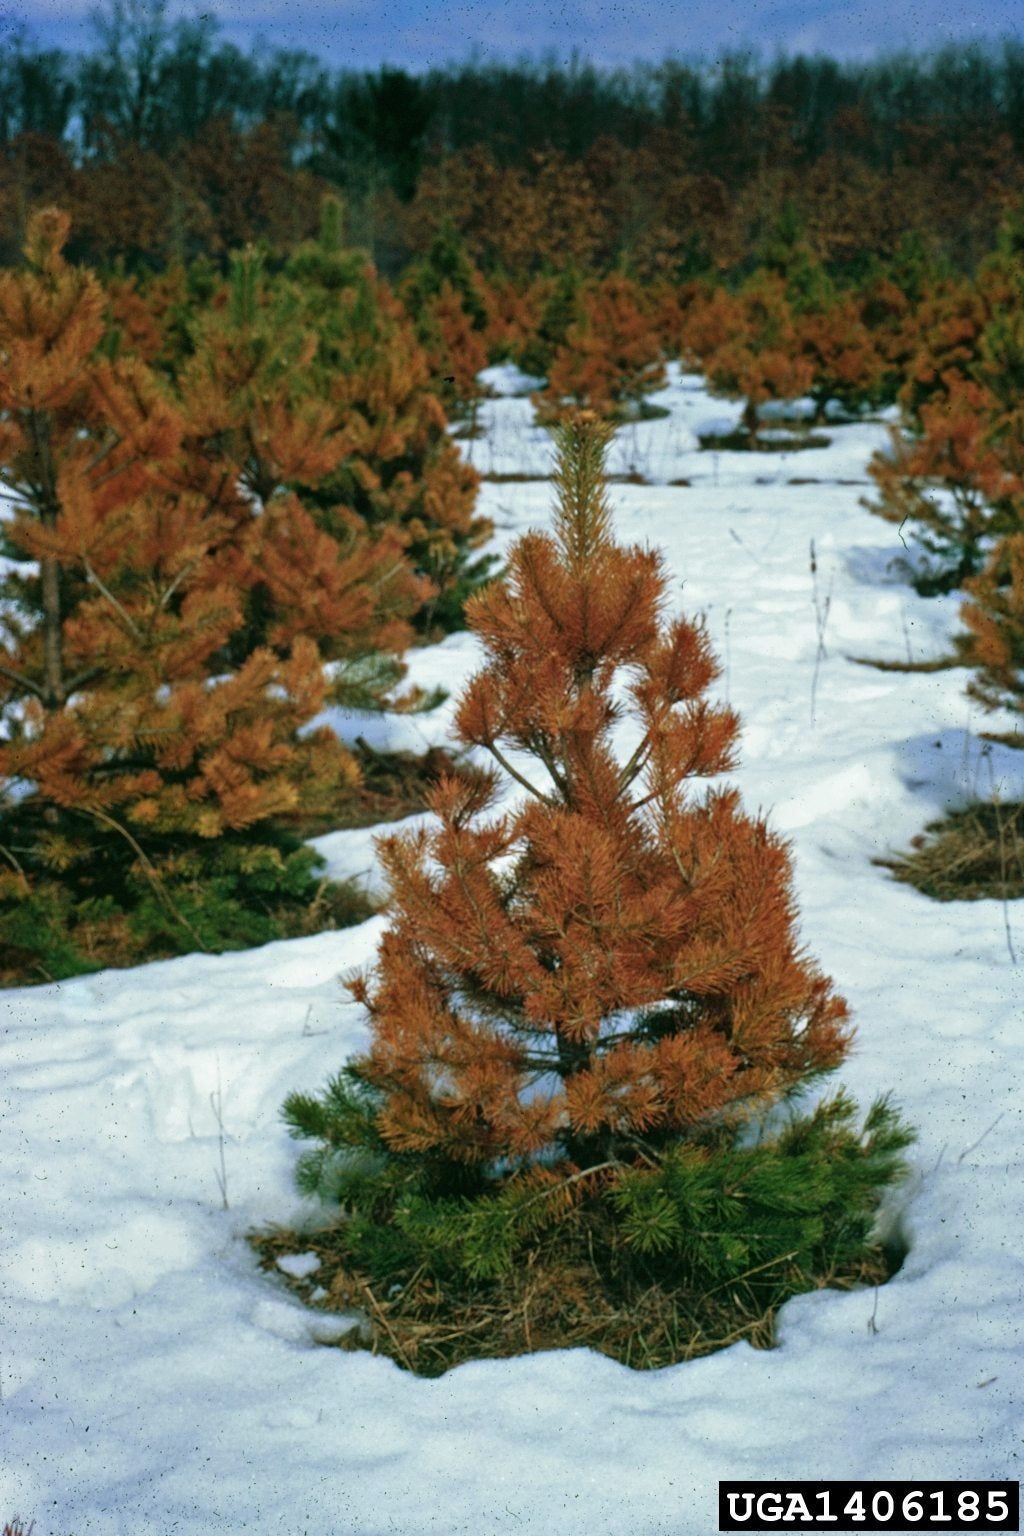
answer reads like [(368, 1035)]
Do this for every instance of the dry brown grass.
[(554, 1301), (740, 441), (496, 477), (967, 855)]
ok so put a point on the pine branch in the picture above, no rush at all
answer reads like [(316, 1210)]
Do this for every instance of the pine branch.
[(574, 1178), (540, 749), (637, 762), (515, 774), (9, 856), (22, 682), (104, 453), (91, 573), (150, 871), (185, 570), (81, 678)]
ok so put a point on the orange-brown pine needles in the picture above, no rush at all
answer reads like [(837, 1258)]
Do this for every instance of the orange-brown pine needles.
[(611, 962)]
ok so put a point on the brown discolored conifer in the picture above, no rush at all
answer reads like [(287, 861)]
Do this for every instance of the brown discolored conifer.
[(846, 365), (610, 358), (751, 347), (612, 963), (951, 481), (456, 352), (133, 732), (994, 640)]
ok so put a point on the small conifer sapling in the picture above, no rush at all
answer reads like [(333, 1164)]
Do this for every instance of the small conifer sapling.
[(584, 997)]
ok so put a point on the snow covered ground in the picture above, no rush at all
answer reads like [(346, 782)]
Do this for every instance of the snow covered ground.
[(153, 1381)]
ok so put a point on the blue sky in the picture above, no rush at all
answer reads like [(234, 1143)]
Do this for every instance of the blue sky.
[(420, 33)]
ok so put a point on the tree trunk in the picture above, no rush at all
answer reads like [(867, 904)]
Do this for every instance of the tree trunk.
[(52, 637), (48, 509)]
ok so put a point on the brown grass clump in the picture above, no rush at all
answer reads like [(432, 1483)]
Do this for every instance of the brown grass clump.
[(967, 855), (512, 477), (558, 1300), (740, 441)]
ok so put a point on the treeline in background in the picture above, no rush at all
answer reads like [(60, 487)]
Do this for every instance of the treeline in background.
[(165, 141)]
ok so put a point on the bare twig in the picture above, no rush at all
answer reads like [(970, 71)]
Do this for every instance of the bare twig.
[(14, 862), (780, 1258), (221, 1173), (500, 758), (1002, 860), (906, 634), (306, 1032), (382, 1316), (185, 570), (981, 1138), (22, 682), (821, 611), (743, 544), (81, 678)]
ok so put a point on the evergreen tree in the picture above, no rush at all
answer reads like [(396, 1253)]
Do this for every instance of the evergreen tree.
[(757, 354), (513, 318), (445, 266), (956, 471), (951, 481), (136, 760), (581, 1002), (943, 339), (890, 297), (994, 640), (846, 366), (671, 304), (455, 352), (560, 305), (785, 252), (398, 468), (264, 443), (610, 359)]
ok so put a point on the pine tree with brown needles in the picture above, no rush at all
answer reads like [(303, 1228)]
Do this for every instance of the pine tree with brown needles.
[(748, 344), (847, 367), (763, 361), (400, 471), (952, 481), (610, 359), (136, 756), (263, 447), (456, 353), (582, 999), (994, 640)]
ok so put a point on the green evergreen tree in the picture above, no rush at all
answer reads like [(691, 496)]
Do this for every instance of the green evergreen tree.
[(399, 467), (446, 264), (561, 310)]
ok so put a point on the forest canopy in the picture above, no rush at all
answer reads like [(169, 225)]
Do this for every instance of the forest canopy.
[(164, 139)]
